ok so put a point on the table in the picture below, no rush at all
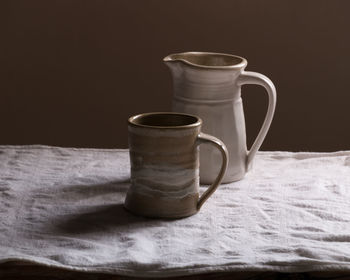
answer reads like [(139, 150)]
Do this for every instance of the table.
[(62, 214)]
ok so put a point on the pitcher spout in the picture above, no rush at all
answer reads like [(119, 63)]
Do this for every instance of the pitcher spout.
[(173, 57), (172, 60)]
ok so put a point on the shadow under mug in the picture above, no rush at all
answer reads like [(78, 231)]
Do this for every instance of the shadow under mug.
[(164, 158)]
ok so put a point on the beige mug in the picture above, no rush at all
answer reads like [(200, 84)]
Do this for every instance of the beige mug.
[(164, 159)]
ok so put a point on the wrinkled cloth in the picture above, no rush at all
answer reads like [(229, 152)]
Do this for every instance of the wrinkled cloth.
[(63, 207)]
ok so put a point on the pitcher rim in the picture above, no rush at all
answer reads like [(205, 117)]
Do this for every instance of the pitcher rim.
[(239, 65)]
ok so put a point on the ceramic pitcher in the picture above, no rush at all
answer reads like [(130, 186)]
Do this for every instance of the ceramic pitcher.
[(209, 85)]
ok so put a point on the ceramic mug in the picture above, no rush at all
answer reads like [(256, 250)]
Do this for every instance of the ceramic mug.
[(164, 159)]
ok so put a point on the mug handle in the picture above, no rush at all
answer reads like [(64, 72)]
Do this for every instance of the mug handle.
[(254, 78), (205, 138)]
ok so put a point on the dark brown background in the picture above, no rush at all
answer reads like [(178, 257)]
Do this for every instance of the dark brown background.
[(71, 72)]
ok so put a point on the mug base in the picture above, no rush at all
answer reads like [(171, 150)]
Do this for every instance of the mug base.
[(158, 217), (161, 207)]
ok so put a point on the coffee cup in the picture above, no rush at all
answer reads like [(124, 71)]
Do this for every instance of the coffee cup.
[(164, 160)]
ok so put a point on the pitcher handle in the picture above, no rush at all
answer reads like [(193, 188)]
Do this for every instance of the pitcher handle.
[(205, 138), (254, 78)]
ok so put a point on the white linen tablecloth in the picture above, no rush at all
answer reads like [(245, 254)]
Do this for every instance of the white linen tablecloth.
[(63, 207)]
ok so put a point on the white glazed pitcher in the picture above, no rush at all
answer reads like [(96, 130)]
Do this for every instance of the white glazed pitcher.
[(209, 85)]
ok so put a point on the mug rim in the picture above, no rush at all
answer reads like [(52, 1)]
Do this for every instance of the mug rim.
[(132, 119)]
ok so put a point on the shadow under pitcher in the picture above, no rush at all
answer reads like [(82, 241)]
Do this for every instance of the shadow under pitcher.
[(209, 85), (164, 159)]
